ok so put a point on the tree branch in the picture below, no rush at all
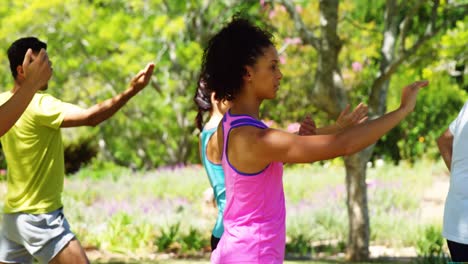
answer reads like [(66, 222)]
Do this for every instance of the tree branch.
[(307, 35), (405, 23), (432, 26), (166, 6), (404, 56), (430, 32), (357, 25)]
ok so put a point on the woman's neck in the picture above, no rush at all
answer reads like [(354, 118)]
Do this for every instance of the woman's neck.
[(214, 120), (245, 106)]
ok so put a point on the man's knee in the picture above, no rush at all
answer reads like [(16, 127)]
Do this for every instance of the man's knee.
[(72, 253)]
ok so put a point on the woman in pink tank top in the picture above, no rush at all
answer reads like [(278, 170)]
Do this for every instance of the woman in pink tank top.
[(241, 65)]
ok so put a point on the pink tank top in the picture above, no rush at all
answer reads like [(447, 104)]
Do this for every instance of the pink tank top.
[(254, 216)]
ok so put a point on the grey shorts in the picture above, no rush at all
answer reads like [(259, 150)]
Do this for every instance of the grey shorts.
[(27, 236)]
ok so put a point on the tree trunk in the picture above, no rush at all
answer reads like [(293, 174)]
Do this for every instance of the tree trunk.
[(329, 83), (356, 165), (328, 91), (332, 99), (356, 201), (378, 95)]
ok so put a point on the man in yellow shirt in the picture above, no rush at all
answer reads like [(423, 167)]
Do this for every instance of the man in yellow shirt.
[(33, 224)]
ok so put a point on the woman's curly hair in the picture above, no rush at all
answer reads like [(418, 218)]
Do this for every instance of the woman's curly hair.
[(202, 99), (237, 45)]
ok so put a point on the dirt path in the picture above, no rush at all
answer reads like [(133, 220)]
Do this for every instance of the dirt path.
[(432, 211), (432, 207)]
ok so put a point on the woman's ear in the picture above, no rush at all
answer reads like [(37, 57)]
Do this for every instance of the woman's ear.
[(248, 73), (213, 99)]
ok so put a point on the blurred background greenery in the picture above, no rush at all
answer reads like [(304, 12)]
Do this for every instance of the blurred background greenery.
[(96, 46)]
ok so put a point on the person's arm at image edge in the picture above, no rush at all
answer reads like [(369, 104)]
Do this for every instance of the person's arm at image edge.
[(445, 145), (37, 74)]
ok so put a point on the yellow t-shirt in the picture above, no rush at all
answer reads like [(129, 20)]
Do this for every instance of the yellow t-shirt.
[(33, 150)]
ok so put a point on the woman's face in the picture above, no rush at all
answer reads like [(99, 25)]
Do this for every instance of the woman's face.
[(265, 76)]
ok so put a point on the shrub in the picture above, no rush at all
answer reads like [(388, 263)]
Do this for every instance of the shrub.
[(194, 241), (299, 245), (168, 240), (430, 246), (438, 105), (79, 152)]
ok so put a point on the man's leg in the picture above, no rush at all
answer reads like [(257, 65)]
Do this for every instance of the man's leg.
[(72, 253), (11, 251), (63, 247)]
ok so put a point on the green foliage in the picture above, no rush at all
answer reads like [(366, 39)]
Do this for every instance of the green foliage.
[(96, 46), (437, 106), (361, 30), (2, 164), (172, 240), (194, 241), (124, 234), (430, 246), (80, 147), (98, 169), (3, 175), (297, 60), (299, 245), (167, 241), (454, 51)]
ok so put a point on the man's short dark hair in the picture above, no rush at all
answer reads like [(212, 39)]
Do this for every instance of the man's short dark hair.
[(18, 49)]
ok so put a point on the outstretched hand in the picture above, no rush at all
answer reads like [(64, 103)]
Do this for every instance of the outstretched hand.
[(37, 69), (358, 116), (307, 127), (142, 79), (409, 95)]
